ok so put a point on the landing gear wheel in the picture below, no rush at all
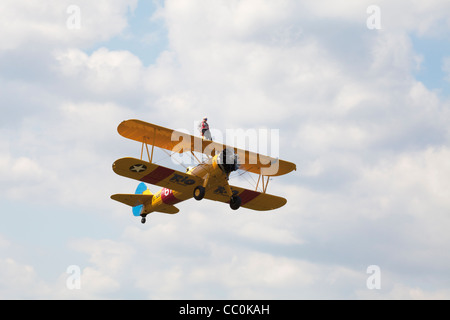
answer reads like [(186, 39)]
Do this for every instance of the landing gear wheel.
[(235, 202), (199, 193), (143, 220)]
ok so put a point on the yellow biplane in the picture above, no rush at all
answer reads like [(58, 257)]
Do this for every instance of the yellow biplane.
[(208, 179)]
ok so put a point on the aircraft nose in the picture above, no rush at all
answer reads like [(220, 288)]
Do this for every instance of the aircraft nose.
[(228, 160)]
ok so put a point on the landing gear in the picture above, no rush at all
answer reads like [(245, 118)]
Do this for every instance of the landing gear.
[(235, 202), (199, 193), (143, 219)]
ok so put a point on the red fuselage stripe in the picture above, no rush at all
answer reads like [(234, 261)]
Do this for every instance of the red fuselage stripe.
[(247, 196), (157, 175)]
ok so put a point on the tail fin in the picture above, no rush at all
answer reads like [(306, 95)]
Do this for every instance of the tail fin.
[(141, 189)]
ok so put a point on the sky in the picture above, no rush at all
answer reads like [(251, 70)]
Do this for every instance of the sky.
[(359, 92)]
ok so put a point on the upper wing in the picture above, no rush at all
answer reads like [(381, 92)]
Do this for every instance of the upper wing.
[(158, 175), (177, 141), (250, 199), (150, 133)]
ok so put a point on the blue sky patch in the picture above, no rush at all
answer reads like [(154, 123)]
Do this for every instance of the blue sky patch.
[(145, 36), (431, 73)]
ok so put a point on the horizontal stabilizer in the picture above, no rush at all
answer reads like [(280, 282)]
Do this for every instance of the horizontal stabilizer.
[(168, 209), (132, 200)]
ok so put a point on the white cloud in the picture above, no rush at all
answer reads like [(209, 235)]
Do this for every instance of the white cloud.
[(170, 266), (49, 159), (402, 292), (18, 280), (15, 275), (400, 200), (109, 263), (262, 232), (19, 169), (413, 185), (104, 72), (109, 256), (46, 23), (393, 57), (370, 143), (425, 19)]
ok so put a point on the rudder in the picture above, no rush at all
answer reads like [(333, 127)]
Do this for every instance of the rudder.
[(141, 189)]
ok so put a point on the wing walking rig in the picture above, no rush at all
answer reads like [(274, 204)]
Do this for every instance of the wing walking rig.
[(208, 179)]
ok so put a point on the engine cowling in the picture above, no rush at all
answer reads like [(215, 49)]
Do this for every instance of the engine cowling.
[(227, 161)]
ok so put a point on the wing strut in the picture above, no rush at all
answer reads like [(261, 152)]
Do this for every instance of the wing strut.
[(144, 138), (153, 144), (267, 183), (142, 149), (264, 184)]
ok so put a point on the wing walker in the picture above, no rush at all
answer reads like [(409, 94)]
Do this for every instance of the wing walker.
[(207, 180)]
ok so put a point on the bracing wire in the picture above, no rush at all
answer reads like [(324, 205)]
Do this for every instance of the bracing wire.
[(170, 155)]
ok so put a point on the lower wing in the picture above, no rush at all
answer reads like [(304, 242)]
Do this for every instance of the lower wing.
[(154, 174), (249, 199)]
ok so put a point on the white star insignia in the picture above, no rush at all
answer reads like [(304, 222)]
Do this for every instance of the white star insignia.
[(138, 168)]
